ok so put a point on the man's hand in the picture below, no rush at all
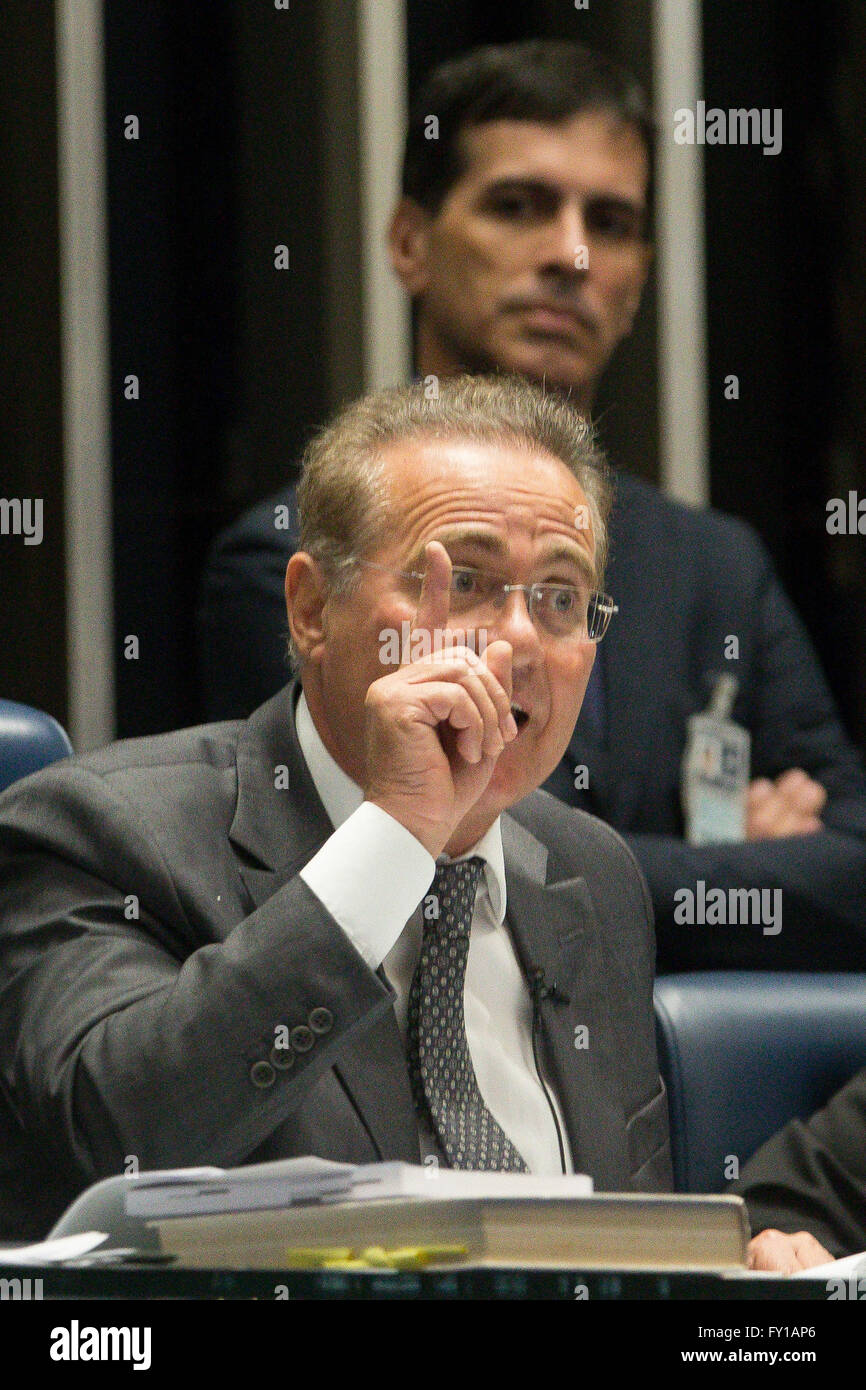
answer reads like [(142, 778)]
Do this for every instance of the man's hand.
[(435, 728), (786, 1254), (791, 805)]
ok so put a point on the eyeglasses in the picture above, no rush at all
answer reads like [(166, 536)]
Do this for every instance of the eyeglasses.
[(562, 610)]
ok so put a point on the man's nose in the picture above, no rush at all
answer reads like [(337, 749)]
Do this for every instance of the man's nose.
[(514, 624), (565, 248)]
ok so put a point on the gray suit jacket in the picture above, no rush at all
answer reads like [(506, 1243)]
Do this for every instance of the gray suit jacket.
[(154, 932)]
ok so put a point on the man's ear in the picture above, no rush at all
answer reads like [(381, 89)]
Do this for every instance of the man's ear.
[(408, 245), (306, 595)]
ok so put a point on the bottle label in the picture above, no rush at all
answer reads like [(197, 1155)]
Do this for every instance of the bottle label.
[(715, 773)]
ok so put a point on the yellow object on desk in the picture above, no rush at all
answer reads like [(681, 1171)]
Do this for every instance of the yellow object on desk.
[(402, 1257), (316, 1256)]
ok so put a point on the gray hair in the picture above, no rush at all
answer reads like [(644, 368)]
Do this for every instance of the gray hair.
[(343, 495)]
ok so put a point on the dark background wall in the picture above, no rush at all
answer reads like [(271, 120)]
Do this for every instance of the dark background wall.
[(235, 359), (229, 348), (32, 614), (785, 266)]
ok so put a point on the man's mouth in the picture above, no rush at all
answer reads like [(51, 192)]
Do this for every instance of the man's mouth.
[(558, 320)]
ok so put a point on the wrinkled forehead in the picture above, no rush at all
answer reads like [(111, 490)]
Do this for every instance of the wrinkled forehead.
[(499, 492), (442, 464)]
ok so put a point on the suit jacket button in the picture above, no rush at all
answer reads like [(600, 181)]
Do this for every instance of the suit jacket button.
[(321, 1020), (302, 1038), (262, 1075), (282, 1058)]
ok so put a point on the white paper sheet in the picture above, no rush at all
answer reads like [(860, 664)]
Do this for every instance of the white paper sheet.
[(50, 1252)]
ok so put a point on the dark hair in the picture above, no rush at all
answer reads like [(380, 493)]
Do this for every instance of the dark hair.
[(539, 80)]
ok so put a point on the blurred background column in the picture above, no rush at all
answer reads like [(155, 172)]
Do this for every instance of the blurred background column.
[(85, 373)]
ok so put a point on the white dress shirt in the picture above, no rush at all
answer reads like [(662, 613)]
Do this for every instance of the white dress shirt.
[(372, 876)]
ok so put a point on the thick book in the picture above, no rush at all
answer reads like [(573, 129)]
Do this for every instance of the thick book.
[(612, 1231), (256, 1217)]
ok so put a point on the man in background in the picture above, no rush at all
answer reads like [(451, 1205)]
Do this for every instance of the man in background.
[(522, 237)]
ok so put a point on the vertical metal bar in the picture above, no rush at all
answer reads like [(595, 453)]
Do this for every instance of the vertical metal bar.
[(684, 423), (382, 80), (341, 197), (85, 371)]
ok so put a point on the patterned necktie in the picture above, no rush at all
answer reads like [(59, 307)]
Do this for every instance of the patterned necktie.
[(443, 1078)]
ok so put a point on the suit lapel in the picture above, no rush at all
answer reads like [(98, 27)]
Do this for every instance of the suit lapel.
[(279, 821), (555, 928), (279, 824)]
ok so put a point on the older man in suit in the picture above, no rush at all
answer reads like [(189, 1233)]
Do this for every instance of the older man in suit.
[(522, 238), (350, 926)]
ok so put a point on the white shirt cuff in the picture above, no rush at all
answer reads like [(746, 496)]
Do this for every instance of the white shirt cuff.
[(371, 875)]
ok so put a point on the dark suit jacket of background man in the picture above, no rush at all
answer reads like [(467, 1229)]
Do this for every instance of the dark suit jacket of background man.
[(685, 581), (811, 1176), (145, 1037)]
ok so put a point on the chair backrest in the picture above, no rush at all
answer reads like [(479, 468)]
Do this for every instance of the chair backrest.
[(742, 1053), (29, 739)]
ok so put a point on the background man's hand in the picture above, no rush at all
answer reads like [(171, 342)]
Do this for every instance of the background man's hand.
[(791, 805), (786, 1254), (435, 727)]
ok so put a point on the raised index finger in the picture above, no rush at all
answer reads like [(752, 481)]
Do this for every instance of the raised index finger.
[(435, 601)]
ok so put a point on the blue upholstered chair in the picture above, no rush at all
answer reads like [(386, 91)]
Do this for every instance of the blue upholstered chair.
[(29, 740), (742, 1053)]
